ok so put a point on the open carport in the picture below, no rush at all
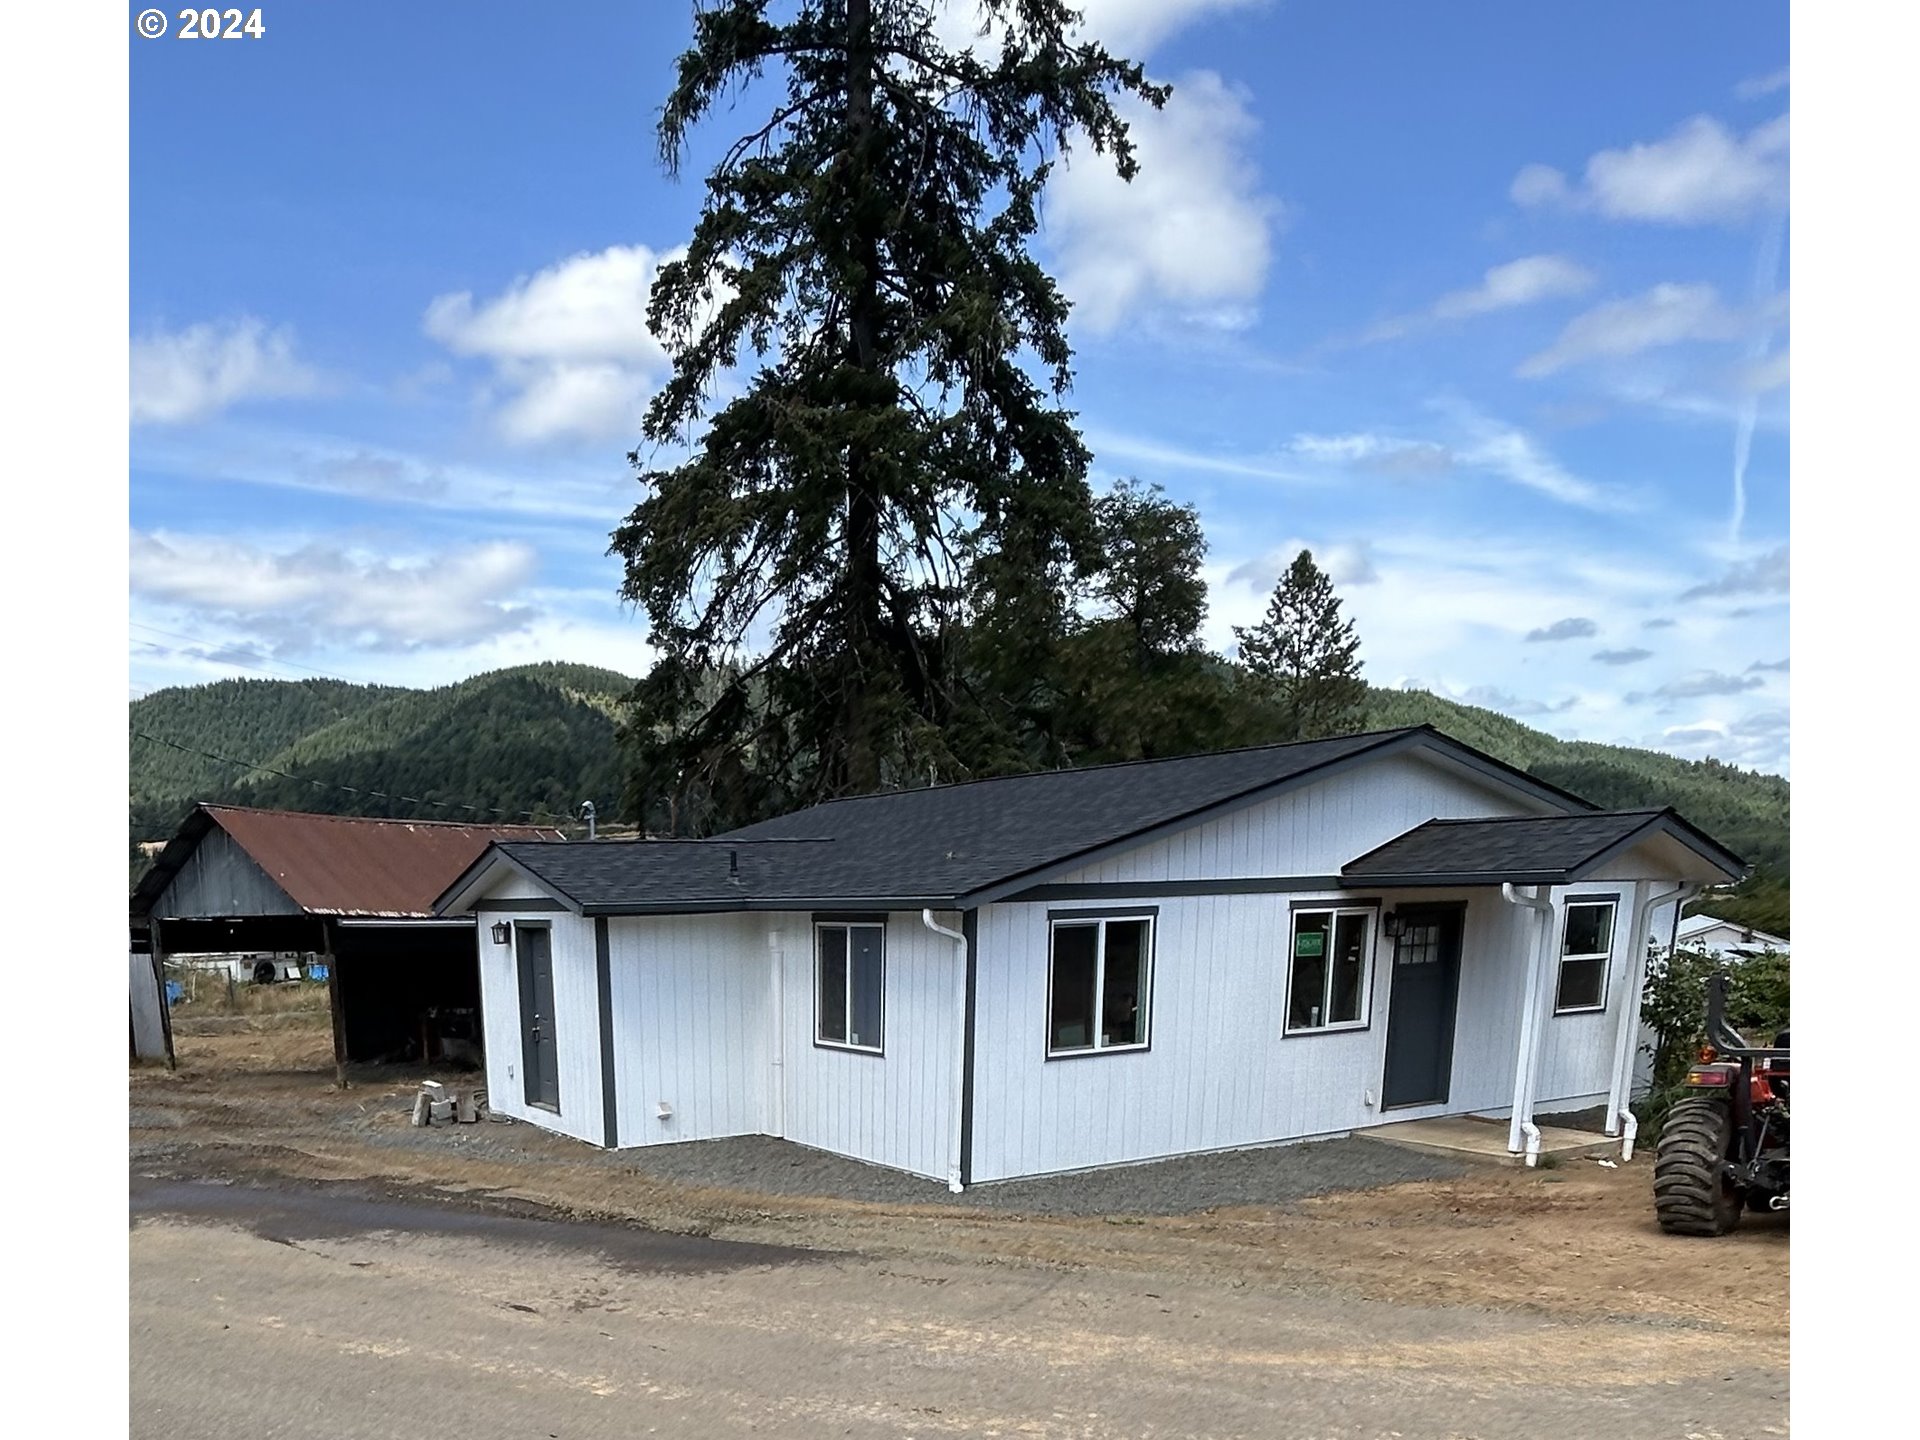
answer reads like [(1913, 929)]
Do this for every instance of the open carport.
[(354, 893)]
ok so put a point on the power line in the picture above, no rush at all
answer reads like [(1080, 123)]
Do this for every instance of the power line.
[(354, 789)]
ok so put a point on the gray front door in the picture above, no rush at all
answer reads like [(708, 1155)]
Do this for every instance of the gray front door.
[(539, 1057), (1420, 1007)]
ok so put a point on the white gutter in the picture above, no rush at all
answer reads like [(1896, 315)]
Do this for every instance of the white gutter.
[(1522, 1135), (1620, 1094), (777, 954), (959, 1050)]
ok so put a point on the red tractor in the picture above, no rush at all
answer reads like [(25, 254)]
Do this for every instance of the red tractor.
[(1724, 1146)]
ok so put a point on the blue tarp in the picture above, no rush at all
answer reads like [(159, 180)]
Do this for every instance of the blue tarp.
[(176, 992)]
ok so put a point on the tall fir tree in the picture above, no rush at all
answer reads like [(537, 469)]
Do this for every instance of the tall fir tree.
[(1306, 656), (891, 510)]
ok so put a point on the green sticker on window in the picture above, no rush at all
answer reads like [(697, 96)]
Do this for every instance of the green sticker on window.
[(1310, 943)]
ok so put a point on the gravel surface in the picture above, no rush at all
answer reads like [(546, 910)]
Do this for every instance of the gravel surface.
[(1275, 1175)]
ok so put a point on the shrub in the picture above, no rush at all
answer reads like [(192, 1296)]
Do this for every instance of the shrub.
[(1674, 1007)]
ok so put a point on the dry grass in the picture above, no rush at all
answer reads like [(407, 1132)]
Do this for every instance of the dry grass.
[(209, 994)]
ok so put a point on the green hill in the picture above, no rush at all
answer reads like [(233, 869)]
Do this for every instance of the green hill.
[(536, 738), (542, 738)]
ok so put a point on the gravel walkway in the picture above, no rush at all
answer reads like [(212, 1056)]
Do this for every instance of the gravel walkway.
[(1275, 1175)]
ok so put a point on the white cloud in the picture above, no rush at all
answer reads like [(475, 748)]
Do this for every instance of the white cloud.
[(570, 344), (1667, 314), (191, 374), (1525, 281), (1758, 85), (318, 593), (1346, 563), (1190, 236), (1700, 174), (1515, 456), (1127, 28)]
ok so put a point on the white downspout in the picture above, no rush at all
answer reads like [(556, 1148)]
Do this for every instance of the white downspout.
[(1620, 1097), (1523, 1136), (960, 1048), (776, 951)]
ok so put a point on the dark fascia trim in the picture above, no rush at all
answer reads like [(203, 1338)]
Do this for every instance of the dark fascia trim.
[(1668, 823), (603, 983), (489, 857), (1172, 889), (780, 904), (1442, 879), (512, 907), (1510, 775), (969, 927)]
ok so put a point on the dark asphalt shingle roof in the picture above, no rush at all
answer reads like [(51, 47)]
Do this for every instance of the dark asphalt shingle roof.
[(1530, 850), (930, 845)]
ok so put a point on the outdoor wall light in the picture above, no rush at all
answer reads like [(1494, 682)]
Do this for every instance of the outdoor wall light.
[(502, 932), (1392, 924)]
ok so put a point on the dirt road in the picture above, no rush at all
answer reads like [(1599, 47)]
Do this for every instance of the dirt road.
[(388, 1281)]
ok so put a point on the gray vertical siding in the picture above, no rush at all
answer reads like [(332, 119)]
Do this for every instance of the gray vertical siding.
[(576, 1023), (1220, 1074), (691, 1027), (220, 878), (895, 1109), (1311, 831)]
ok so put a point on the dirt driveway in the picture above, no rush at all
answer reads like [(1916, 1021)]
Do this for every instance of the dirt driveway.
[(1500, 1302)]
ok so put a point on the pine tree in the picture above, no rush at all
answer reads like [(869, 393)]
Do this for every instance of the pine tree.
[(1306, 656), (890, 495)]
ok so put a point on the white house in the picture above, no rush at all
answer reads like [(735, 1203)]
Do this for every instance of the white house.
[(1058, 971), (1726, 939)]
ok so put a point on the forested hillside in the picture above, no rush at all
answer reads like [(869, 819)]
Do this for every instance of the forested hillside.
[(543, 738), (538, 738)]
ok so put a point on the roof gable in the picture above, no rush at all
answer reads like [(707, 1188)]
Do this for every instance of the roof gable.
[(336, 864), (1535, 850)]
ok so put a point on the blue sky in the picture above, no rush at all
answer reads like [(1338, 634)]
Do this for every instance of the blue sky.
[(1486, 303)]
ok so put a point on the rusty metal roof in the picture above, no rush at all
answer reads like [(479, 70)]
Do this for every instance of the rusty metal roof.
[(344, 865)]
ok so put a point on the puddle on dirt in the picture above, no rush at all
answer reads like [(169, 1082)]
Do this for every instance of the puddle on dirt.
[(322, 1211)]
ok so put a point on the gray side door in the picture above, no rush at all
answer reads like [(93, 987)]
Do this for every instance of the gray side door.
[(1421, 1004), (539, 1056)]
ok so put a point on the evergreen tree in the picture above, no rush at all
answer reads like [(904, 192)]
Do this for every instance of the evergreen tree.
[(891, 500), (1306, 656)]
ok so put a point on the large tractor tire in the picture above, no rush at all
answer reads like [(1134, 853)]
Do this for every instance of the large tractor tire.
[(1691, 1193)]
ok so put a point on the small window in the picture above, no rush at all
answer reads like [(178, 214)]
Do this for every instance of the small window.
[(1099, 984), (1328, 975), (1586, 945), (851, 980)]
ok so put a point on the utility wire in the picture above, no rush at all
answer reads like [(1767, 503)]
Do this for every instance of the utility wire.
[(354, 789)]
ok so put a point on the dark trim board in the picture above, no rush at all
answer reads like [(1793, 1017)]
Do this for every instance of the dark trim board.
[(1108, 912), (969, 927), (603, 979), (1174, 889)]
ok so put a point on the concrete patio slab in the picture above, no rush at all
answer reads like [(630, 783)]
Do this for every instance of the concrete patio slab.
[(1466, 1137)]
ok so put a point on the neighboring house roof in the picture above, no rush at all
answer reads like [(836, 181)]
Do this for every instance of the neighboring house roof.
[(1694, 926), (971, 842), (1527, 850), (338, 864)]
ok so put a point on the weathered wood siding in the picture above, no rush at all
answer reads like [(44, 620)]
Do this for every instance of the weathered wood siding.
[(218, 879), (894, 1109), (691, 1026), (576, 1024), (147, 1004), (1310, 831)]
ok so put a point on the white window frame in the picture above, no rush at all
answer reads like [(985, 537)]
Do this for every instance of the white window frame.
[(1605, 957), (1099, 922), (819, 977), (1370, 917)]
